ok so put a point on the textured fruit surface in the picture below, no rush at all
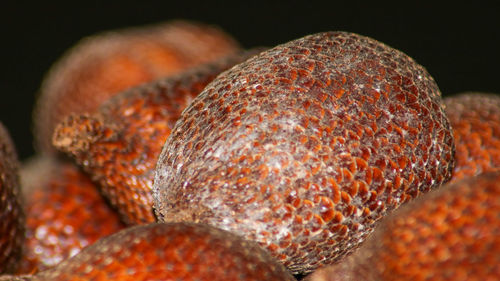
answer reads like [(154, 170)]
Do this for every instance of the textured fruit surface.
[(119, 145), (64, 213), (16, 278), (450, 234), (100, 66), (11, 213), (170, 252), (475, 119), (305, 146)]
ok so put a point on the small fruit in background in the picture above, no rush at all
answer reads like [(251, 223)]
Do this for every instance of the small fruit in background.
[(475, 120), (450, 234), (100, 66), (64, 213), (177, 251), (120, 143), (12, 218)]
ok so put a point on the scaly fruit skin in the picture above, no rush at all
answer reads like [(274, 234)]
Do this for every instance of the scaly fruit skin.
[(178, 251), (103, 65), (304, 147), (475, 119), (120, 144), (65, 213), (450, 234), (12, 217)]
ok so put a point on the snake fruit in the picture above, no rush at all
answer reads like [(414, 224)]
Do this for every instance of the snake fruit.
[(178, 251), (475, 119), (450, 234), (12, 217), (304, 147), (100, 66), (119, 144), (64, 213)]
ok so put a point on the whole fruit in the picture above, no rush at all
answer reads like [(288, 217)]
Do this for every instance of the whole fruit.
[(304, 147)]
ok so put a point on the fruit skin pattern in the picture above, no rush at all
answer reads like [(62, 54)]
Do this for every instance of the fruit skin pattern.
[(102, 65), (15, 278), (12, 217), (450, 234), (64, 213), (304, 147), (475, 119), (178, 251), (120, 143)]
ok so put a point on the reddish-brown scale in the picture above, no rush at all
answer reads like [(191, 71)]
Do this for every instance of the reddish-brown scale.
[(11, 213), (177, 251), (64, 211), (304, 114), (475, 119), (450, 234), (120, 144), (103, 65)]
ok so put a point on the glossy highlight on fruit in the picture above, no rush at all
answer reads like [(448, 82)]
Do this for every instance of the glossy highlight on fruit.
[(102, 65), (64, 213), (304, 147), (475, 119), (450, 234), (12, 217), (120, 143), (178, 251)]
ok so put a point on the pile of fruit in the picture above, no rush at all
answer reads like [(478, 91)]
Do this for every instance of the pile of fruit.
[(168, 152)]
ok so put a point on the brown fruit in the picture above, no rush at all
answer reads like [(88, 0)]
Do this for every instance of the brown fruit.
[(11, 213), (120, 144), (170, 252), (64, 211), (304, 147), (475, 119), (100, 66), (450, 234)]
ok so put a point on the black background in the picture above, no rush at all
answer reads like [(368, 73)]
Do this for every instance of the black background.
[(459, 45)]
